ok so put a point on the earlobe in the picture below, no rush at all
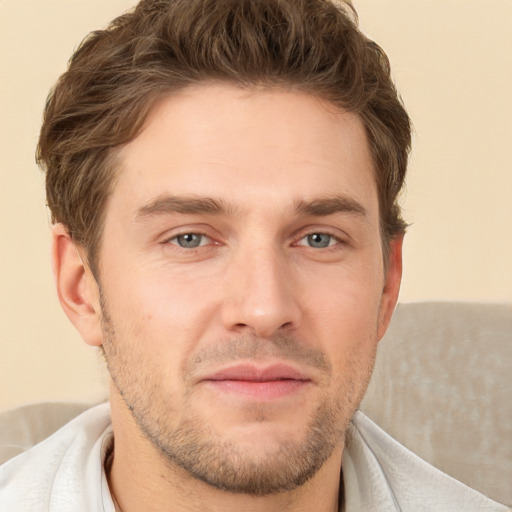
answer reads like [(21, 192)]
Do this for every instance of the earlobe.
[(76, 287), (392, 282)]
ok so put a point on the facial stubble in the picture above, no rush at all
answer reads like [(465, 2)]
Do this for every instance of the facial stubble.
[(193, 445)]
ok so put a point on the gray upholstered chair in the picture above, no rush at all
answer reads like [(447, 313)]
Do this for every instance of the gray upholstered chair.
[(442, 387)]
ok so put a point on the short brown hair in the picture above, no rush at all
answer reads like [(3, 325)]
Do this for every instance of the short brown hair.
[(117, 74)]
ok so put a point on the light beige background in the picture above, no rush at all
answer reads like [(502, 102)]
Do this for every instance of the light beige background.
[(452, 60)]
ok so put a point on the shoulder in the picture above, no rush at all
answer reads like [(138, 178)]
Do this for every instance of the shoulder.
[(381, 474), (58, 469), (26, 426)]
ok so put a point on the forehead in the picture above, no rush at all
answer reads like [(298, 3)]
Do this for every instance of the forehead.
[(254, 148)]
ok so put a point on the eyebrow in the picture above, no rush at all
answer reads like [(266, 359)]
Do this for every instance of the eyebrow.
[(330, 206), (170, 204), (182, 204)]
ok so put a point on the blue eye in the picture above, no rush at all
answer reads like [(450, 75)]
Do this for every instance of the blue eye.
[(190, 240), (318, 240)]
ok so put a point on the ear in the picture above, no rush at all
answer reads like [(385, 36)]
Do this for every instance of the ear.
[(393, 278), (76, 286)]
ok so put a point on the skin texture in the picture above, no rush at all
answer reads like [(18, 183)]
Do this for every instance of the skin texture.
[(241, 246)]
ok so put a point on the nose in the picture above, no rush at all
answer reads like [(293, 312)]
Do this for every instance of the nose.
[(261, 296)]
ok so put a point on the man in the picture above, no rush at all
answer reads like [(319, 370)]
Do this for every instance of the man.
[(223, 180)]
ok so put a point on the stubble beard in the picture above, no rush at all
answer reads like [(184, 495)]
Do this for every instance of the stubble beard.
[(215, 460), (226, 465)]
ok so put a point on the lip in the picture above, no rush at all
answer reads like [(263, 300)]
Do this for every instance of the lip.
[(263, 383), (251, 372)]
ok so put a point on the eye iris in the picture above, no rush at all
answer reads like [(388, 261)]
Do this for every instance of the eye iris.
[(319, 240), (189, 240)]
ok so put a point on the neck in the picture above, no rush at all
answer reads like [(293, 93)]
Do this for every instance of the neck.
[(141, 479)]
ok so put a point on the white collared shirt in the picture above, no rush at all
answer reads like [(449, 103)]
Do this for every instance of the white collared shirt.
[(65, 473)]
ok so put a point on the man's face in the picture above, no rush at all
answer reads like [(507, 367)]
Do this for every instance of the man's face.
[(242, 283)]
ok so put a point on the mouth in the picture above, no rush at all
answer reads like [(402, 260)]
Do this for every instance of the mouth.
[(260, 383)]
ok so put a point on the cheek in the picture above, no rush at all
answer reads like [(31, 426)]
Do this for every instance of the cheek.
[(160, 317), (351, 346), (156, 292), (344, 319), (346, 299)]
